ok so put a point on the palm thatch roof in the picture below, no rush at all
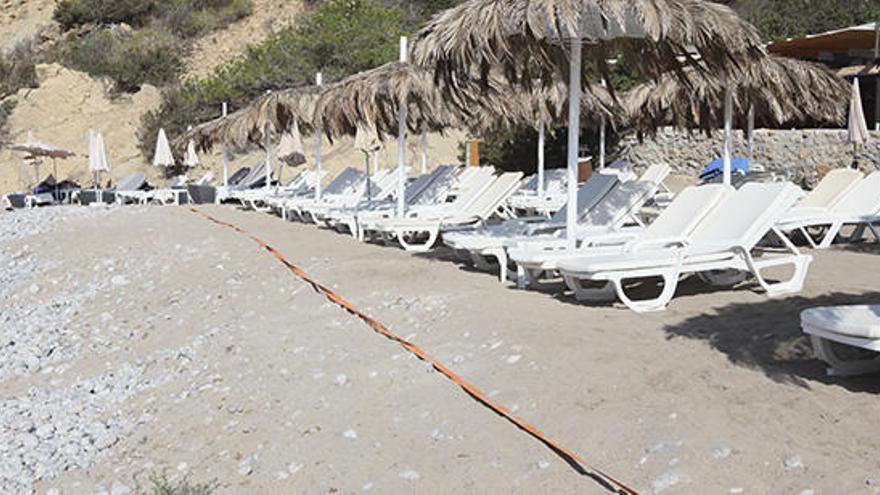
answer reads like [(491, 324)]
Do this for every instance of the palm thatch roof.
[(525, 39), (373, 96), (782, 92), (245, 127)]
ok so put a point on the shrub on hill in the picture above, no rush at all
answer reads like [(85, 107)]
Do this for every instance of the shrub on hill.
[(130, 60)]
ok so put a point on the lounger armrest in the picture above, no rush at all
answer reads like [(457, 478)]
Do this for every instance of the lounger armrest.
[(636, 245)]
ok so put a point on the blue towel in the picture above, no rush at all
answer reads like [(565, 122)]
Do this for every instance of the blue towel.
[(716, 167)]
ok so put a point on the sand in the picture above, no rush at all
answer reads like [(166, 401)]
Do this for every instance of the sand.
[(243, 374)]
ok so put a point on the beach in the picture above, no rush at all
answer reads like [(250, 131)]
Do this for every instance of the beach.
[(144, 340)]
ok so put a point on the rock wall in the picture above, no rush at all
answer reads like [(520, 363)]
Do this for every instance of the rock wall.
[(803, 154)]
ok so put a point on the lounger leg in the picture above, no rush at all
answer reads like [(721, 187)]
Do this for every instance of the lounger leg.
[(419, 248), (808, 237), (604, 293), (831, 235), (480, 262), (800, 262), (670, 284), (841, 367)]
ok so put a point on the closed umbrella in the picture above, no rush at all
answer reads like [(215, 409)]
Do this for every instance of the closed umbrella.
[(97, 156), (190, 158), (367, 141), (858, 129), (163, 157), (290, 148)]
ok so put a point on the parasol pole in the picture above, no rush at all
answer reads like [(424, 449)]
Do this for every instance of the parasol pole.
[(728, 131), (375, 162), (750, 132), (541, 142), (401, 139), (319, 80), (225, 153), (574, 118), (602, 135), (269, 165), (369, 176), (424, 146)]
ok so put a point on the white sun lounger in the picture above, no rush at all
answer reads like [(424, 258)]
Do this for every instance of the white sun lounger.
[(859, 206), (489, 241), (382, 184), (725, 240), (427, 223), (616, 215), (260, 199), (343, 180), (853, 326), (345, 184), (346, 219)]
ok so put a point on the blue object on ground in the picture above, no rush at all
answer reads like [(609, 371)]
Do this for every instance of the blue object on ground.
[(716, 167)]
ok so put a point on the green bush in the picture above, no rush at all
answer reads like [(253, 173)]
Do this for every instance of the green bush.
[(130, 60), (337, 37), (73, 13), (184, 18), (6, 107), (18, 69), (161, 485)]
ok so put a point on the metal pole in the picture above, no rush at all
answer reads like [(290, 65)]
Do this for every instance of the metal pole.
[(269, 166), (369, 178), (225, 153), (574, 120), (375, 162), (541, 141), (401, 139), (728, 131), (319, 80), (467, 151), (424, 152), (602, 124), (750, 133)]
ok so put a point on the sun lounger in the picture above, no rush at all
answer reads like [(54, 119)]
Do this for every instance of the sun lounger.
[(381, 185), (345, 184), (173, 193), (133, 182), (852, 326), (346, 219), (553, 197), (486, 242), (617, 214), (859, 206), (420, 229), (728, 239), (260, 199)]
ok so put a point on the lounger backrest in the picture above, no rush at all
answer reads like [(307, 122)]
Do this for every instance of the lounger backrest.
[(439, 188), (239, 174), (132, 183), (746, 216), (686, 211), (208, 177), (656, 173), (618, 205), (589, 195), (343, 180), (256, 177), (178, 181), (470, 192), (488, 202), (832, 188), (418, 185), (861, 200)]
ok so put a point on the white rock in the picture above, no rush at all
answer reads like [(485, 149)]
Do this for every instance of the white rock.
[(513, 359), (409, 474), (792, 461), (350, 434), (341, 379)]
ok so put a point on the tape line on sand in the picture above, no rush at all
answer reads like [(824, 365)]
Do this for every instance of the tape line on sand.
[(574, 460)]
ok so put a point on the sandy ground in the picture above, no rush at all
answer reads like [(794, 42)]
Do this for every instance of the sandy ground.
[(220, 364)]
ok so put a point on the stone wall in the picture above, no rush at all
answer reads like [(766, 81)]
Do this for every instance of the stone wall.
[(803, 154)]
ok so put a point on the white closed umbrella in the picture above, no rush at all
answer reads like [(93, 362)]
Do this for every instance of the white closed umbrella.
[(366, 140), (191, 158), (857, 128), (163, 156), (97, 157)]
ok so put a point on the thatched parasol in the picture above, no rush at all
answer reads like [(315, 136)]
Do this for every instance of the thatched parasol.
[(528, 38), (245, 127), (780, 92)]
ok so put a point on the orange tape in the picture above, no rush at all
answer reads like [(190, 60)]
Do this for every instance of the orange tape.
[(574, 460)]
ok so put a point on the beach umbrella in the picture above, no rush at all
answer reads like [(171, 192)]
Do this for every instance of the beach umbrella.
[(857, 129), (37, 150), (162, 157), (521, 37), (97, 157), (367, 141), (190, 158)]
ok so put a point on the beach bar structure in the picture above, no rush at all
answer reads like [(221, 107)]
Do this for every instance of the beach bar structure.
[(854, 52)]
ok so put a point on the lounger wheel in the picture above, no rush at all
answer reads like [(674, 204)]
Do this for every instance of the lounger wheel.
[(826, 350), (408, 244)]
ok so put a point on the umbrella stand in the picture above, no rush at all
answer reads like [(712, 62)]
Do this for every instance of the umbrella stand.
[(750, 133), (574, 118), (401, 140), (541, 139), (424, 146)]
